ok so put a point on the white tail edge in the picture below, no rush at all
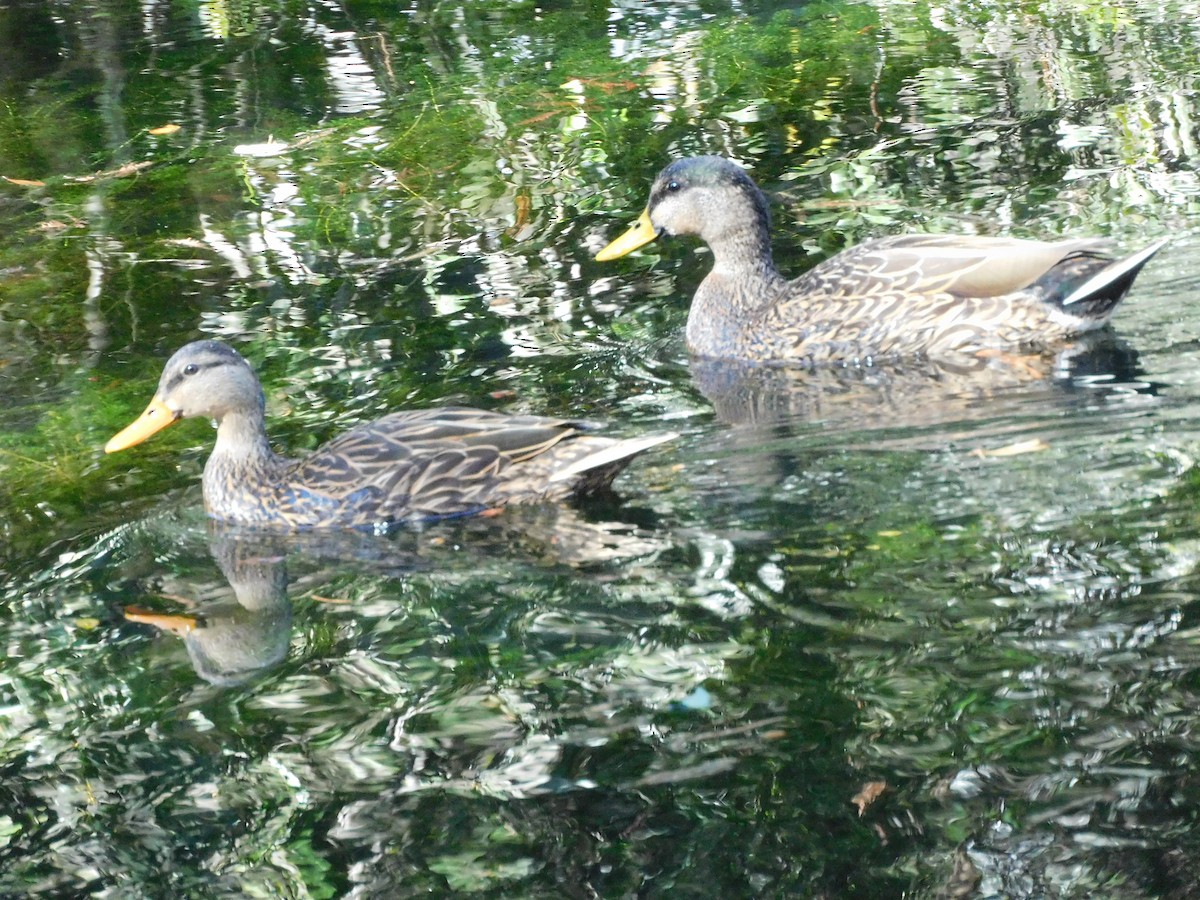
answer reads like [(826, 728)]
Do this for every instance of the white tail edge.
[(613, 453), (1113, 272)]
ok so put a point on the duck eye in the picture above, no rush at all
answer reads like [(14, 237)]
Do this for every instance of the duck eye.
[(191, 369), (673, 185)]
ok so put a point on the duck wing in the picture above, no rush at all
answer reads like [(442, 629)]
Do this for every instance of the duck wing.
[(941, 293), (450, 461), (961, 265)]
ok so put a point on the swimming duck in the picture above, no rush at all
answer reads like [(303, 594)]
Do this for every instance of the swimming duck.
[(899, 296), (418, 464)]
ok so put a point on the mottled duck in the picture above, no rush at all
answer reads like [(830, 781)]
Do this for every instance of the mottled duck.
[(902, 296), (412, 465)]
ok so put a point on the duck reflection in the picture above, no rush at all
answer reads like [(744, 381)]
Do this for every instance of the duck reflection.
[(919, 392), (230, 639)]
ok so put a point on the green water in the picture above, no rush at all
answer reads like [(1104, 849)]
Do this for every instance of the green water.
[(820, 593)]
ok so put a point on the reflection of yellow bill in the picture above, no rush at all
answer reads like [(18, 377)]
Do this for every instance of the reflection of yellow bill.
[(639, 234), (178, 625), (156, 417)]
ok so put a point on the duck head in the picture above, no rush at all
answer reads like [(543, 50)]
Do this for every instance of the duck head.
[(204, 378), (707, 196)]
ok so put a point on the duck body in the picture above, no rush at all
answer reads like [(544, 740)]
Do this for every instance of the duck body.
[(412, 465), (896, 296)]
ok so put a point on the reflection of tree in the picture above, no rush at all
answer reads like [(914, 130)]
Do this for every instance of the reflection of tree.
[(501, 131)]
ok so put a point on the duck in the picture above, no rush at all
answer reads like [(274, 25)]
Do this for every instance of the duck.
[(893, 297), (406, 466)]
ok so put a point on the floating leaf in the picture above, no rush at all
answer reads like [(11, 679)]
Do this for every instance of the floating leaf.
[(1033, 445), (963, 880)]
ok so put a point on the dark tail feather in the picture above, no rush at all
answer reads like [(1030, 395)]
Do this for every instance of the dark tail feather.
[(1103, 289)]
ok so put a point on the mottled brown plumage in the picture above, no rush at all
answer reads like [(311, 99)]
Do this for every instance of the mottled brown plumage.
[(408, 465), (893, 297)]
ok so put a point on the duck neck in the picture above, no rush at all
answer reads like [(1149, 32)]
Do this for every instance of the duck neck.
[(743, 283), (744, 255), (241, 464)]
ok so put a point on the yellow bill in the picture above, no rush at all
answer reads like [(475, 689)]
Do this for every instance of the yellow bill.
[(156, 417), (639, 234)]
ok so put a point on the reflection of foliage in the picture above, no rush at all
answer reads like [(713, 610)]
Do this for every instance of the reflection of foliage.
[(46, 461), (807, 71), (502, 134), (433, 245)]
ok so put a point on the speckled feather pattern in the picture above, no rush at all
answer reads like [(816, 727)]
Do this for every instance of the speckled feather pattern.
[(418, 464), (896, 296), (407, 465), (871, 301)]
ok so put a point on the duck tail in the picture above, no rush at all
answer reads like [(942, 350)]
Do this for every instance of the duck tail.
[(1103, 288), (597, 469)]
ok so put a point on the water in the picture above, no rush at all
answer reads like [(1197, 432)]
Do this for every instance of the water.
[(829, 642)]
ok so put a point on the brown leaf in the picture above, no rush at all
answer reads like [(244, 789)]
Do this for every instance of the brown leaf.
[(607, 86), (542, 117), (23, 182), (524, 208), (169, 128), (963, 880), (869, 794)]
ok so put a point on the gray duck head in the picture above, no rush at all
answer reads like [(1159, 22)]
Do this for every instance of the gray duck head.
[(706, 196), (204, 378)]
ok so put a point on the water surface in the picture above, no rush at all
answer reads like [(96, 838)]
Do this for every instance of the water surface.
[(827, 643)]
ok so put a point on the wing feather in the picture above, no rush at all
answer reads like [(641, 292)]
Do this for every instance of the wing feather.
[(446, 461)]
